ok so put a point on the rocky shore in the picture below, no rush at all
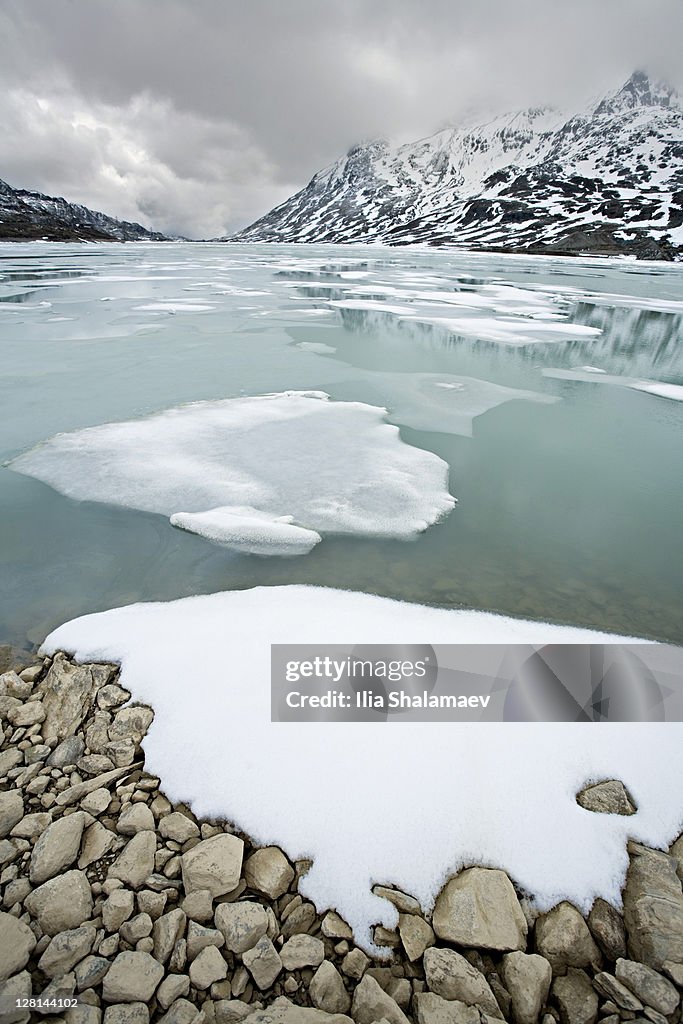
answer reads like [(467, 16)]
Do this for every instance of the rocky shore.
[(118, 907)]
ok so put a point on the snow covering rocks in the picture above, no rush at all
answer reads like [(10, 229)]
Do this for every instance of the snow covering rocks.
[(268, 474), (162, 646), (141, 954)]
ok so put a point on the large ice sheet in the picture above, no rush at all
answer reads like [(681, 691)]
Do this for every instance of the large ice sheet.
[(405, 804), (331, 467)]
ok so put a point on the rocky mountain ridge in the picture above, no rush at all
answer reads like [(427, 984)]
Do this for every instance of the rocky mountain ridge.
[(31, 216), (607, 179)]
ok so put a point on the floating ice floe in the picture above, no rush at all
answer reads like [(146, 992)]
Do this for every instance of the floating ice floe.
[(316, 346), (507, 330), (174, 307), (248, 530), (404, 804), (443, 402), (245, 463), (591, 374)]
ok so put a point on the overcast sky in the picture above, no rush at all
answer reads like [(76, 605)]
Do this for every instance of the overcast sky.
[(197, 116)]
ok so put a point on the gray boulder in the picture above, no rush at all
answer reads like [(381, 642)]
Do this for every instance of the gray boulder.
[(575, 997), (327, 990), (65, 950), (451, 976), (479, 907), (214, 864), (609, 797), (371, 1003), (135, 863), (653, 907), (133, 977), (527, 978), (17, 942), (563, 938), (269, 872), (648, 985), (57, 848), (61, 903), (242, 924), (11, 811), (263, 963)]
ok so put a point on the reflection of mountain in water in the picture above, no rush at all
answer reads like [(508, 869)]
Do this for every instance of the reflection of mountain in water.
[(631, 339)]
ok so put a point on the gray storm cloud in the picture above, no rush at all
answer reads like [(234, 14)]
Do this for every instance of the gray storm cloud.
[(197, 117)]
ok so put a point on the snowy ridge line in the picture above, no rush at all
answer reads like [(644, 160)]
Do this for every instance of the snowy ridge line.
[(604, 180), (460, 800)]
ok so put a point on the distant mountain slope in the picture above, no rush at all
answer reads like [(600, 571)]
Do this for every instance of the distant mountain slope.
[(608, 179), (28, 216)]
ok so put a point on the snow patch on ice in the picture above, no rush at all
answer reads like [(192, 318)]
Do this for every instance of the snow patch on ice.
[(660, 388), (315, 346), (414, 801), (508, 330)]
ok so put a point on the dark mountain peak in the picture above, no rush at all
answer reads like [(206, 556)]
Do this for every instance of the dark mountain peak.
[(638, 91)]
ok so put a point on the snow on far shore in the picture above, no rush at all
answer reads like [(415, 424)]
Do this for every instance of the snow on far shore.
[(269, 474), (407, 803)]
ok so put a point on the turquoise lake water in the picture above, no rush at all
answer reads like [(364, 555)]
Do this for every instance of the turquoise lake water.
[(569, 510)]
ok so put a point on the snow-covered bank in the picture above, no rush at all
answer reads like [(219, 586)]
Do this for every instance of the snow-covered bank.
[(406, 805)]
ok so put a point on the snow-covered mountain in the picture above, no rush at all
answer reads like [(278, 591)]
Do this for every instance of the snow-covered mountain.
[(608, 179), (26, 216)]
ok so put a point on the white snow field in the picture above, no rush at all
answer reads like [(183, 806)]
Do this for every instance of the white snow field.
[(403, 803), (245, 463)]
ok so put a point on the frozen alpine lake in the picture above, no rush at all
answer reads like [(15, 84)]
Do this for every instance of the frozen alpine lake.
[(543, 394)]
